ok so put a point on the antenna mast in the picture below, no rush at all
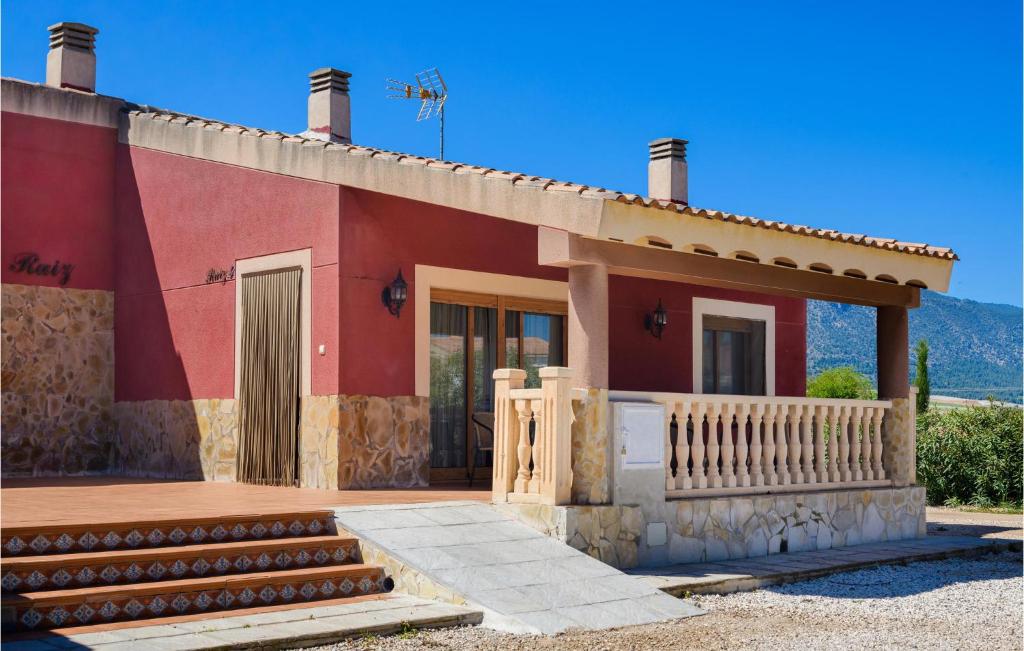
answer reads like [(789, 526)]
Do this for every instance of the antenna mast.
[(432, 92)]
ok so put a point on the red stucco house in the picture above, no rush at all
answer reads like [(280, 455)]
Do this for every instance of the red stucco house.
[(128, 232)]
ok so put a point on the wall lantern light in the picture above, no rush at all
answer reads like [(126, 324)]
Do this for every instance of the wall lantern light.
[(393, 296), (656, 321)]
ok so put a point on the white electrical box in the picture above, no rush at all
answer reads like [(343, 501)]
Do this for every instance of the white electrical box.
[(642, 435)]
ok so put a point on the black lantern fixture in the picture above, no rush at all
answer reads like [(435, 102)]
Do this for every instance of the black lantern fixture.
[(656, 321), (393, 296)]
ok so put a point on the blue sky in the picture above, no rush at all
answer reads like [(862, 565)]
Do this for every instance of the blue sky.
[(898, 119)]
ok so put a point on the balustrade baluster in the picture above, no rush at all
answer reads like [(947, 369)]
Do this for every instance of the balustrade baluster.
[(781, 446), (683, 445), (820, 469), (742, 474), (844, 443), (832, 426), (856, 416), (541, 446), (713, 447), (756, 460), (865, 443), (728, 447), (805, 412), (770, 439), (876, 447), (523, 450), (795, 443), (697, 449), (670, 481)]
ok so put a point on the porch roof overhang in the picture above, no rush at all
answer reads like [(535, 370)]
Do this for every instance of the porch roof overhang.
[(564, 249)]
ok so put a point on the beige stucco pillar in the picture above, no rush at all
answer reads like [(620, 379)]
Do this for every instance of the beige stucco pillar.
[(899, 433), (588, 325)]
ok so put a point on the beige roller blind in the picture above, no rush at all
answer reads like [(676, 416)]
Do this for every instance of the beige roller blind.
[(269, 383)]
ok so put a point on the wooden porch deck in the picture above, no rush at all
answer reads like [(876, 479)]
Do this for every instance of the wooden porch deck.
[(81, 500)]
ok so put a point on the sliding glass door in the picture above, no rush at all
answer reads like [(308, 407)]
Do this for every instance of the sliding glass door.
[(465, 330)]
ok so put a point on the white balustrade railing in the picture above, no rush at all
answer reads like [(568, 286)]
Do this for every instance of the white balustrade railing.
[(535, 468), (720, 444)]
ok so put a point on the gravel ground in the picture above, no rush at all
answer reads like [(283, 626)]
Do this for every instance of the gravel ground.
[(954, 604), (957, 522)]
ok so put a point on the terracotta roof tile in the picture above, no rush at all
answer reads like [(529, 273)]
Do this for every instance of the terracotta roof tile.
[(550, 185)]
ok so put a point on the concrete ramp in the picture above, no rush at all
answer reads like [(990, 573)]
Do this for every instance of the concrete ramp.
[(524, 581)]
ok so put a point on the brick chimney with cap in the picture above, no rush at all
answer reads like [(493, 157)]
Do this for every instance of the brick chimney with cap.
[(666, 171), (330, 116), (71, 61)]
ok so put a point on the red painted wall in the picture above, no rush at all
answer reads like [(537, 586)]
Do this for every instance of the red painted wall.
[(639, 362), (57, 199), (379, 235), (177, 218)]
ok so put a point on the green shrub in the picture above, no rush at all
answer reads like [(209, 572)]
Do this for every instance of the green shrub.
[(971, 456), (840, 382)]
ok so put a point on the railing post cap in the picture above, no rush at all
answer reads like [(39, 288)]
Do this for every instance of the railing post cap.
[(556, 372), (509, 374)]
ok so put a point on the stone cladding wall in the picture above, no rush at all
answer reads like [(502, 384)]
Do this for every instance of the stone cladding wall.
[(714, 529), (58, 381), (591, 461), (355, 442), (177, 439)]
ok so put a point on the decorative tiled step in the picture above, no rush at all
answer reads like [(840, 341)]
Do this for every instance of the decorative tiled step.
[(58, 608), (62, 571), (63, 539)]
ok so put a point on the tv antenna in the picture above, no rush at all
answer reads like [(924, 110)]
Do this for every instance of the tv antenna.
[(432, 92)]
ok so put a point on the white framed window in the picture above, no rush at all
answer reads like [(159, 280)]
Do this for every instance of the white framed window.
[(733, 347)]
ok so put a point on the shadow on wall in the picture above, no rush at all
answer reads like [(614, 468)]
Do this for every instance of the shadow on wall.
[(161, 431)]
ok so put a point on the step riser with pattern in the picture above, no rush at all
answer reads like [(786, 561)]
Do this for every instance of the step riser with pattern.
[(118, 568), (268, 590), (21, 541)]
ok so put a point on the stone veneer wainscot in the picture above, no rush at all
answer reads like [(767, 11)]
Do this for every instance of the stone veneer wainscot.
[(715, 529), (58, 380)]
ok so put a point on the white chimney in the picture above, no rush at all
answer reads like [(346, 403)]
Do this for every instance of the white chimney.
[(71, 62), (666, 171), (330, 117)]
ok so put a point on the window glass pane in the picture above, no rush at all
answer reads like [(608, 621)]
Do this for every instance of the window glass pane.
[(708, 361), (447, 385), (733, 356), (485, 357), (726, 362), (512, 339), (542, 345)]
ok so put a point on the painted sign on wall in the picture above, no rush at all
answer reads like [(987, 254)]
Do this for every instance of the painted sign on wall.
[(30, 263), (220, 275)]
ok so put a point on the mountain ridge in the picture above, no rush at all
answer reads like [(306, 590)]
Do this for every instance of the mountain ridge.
[(975, 347)]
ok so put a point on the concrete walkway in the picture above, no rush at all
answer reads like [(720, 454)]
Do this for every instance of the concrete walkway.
[(280, 629), (524, 581), (750, 573)]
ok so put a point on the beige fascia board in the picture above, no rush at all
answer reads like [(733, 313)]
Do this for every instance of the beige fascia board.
[(461, 188), (563, 249), (65, 104), (634, 224)]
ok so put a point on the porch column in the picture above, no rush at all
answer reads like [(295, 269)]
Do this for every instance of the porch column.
[(588, 325), (892, 326), (899, 433)]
